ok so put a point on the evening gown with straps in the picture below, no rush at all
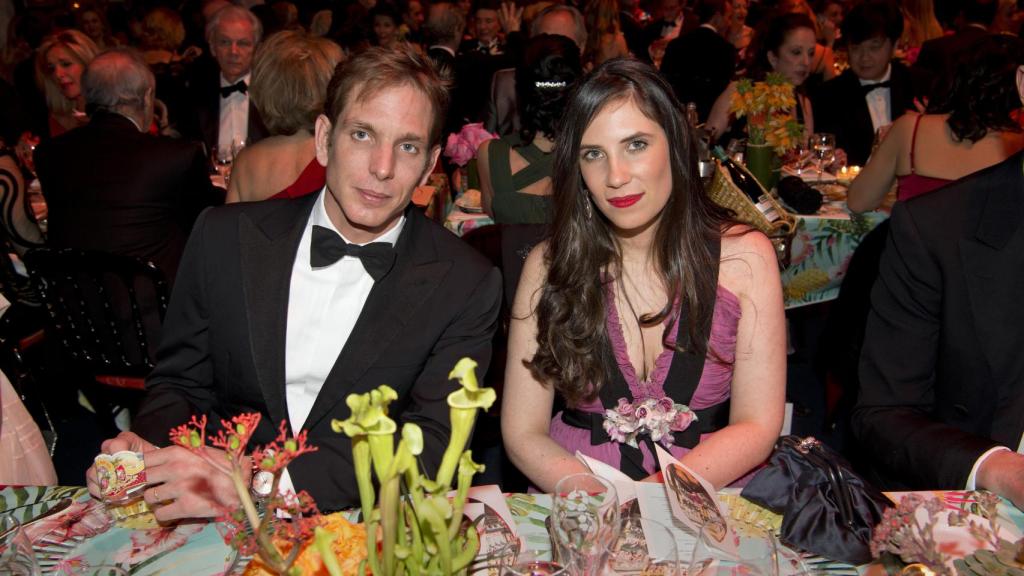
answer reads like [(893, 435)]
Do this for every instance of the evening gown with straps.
[(914, 184), (703, 382), (510, 206), (312, 179)]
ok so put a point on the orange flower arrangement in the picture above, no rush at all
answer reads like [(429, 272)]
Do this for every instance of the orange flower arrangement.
[(769, 107)]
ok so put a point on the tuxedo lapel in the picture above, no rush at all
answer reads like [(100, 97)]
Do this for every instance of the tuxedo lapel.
[(993, 261), (391, 303), (267, 248)]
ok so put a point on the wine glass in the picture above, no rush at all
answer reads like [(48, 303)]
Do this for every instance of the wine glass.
[(823, 149), (16, 555), (644, 546), (585, 521), (756, 555)]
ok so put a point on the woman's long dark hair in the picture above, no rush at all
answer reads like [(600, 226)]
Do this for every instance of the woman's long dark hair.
[(573, 353), (983, 90), (770, 36), (550, 66)]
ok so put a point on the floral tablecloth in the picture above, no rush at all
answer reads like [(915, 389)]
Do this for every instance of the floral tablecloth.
[(821, 251), (83, 537)]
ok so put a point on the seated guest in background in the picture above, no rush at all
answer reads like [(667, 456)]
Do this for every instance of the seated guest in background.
[(60, 60), (701, 63), (93, 23), (401, 315), (786, 46), (289, 84), (110, 185), (442, 33), (823, 61), (162, 35), (940, 56), (968, 129), (224, 117), (646, 291), (738, 33), (503, 114), (515, 173), (874, 91), (605, 39), (942, 374), (479, 58), (919, 26), (385, 20)]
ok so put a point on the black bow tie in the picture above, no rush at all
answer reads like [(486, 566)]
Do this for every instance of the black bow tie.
[(327, 248), (239, 86), (867, 88)]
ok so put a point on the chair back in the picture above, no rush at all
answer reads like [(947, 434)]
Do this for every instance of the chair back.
[(16, 215), (105, 309)]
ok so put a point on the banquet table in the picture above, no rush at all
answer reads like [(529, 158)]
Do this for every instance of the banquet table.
[(81, 538), (821, 249)]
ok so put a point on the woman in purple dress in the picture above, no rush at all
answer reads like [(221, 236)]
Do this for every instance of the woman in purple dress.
[(652, 314)]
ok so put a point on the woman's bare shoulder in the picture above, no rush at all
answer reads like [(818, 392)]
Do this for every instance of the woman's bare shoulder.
[(747, 257)]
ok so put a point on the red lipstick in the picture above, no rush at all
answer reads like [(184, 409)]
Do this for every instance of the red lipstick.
[(625, 201)]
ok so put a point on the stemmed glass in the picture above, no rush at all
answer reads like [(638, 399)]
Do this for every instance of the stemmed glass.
[(757, 555), (644, 546), (585, 522), (224, 156), (823, 148), (16, 555)]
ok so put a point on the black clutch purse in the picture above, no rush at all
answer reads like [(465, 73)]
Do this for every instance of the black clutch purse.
[(827, 509)]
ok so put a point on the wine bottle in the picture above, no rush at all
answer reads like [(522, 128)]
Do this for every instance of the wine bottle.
[(748, 185)]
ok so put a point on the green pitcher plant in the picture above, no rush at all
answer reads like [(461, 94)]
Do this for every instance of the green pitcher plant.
[(420, 529)]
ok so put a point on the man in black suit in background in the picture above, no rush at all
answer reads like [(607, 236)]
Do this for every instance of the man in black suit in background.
[(223, 116), (701, 63), (275, 312), (942, 375), (110, 185), (443, 34), (874, 91)]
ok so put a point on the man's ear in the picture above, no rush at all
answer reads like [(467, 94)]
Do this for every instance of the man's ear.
[(322, 138), (1020, 83), (435, 153)]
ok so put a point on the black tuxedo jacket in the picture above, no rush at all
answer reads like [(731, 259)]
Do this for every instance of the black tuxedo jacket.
[(699, 65), (840, 108), (224, 336), (110, 187), (942, 374), (203, 123)]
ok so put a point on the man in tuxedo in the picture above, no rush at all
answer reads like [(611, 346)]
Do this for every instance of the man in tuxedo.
[(110, 185), (701, 63), (443, 32), (942, 375), (874, 91), (287, 307), (223, 116)]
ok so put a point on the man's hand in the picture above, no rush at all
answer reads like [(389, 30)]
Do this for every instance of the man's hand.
[(511, 18), (183, 484), (1003, 473), (124, 441)]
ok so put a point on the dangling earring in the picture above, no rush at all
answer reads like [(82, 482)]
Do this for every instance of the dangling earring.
[(586, 202)]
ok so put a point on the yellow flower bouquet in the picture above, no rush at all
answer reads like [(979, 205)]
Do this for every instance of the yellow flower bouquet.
[(769, 108)]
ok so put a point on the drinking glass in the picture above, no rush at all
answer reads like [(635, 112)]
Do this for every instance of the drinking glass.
[(757, 555), (585, 521), (16, 555), (644, 546), (823, 149), (529, 563), (221, 158)]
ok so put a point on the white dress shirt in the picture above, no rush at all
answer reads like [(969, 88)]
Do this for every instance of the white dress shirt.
[(323, 306), (234, 116), (878, 101)]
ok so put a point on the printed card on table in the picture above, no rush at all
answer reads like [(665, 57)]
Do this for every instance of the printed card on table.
[(694, 502), (625, 487), (497, 528)]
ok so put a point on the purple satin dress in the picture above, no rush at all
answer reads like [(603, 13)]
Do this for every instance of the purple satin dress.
[(703, 388)]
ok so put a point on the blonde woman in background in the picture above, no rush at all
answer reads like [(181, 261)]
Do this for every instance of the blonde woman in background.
[(289, 82), (60, 61), (162, 35), (91, 21), (919, 24), (605, 39)]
